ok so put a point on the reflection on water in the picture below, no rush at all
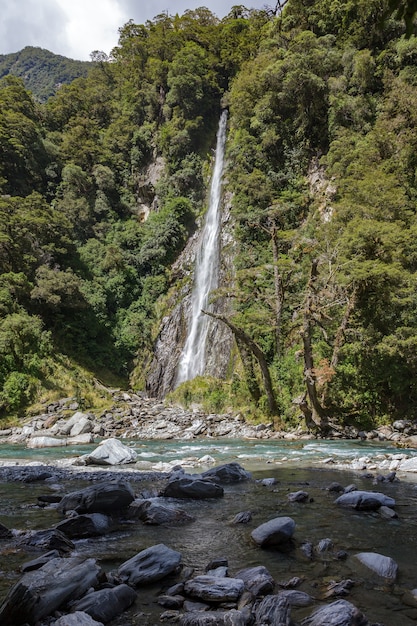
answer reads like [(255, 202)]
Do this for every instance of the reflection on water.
[(212, 535)]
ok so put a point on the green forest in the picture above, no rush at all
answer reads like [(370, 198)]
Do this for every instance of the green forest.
[(322, 176)]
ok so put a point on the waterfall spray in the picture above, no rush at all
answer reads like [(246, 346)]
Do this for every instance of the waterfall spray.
[(206, 274)]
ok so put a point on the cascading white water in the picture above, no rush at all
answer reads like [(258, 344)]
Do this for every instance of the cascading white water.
[(206, 273)]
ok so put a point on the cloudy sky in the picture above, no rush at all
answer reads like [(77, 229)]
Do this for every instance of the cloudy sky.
[(74, 28)]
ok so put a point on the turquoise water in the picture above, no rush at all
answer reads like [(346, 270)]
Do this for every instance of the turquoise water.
[(255, 454)]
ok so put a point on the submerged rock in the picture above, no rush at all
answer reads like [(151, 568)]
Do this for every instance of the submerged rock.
[(149, 565), (151, 512), (340, 613)]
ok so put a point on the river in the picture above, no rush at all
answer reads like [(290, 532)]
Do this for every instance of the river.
[(294, 465)]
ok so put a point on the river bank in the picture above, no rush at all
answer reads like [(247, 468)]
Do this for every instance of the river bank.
[(164, 436)]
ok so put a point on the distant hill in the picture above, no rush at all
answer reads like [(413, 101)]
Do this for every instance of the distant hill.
[(43, 72)]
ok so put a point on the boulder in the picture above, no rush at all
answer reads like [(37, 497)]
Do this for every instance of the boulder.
[(409, 465), (88, 525), (41, 592), (76, 619), (276, 532), (5, 533), (40, 561), (45, 442), (151, 512), (67, 427), (274, 610), (227, 473), (384, 566), (110, 452), (298, 496), (82, 426), (106, 604), (257, 580), (50, 539), (340, 612), (214, 589), (189, 487), (296, 598), (103, 498), (244, 517), (365, 500), (149, 565), (216, 618)]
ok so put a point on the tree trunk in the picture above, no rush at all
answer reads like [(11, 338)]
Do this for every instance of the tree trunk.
[(279, 292), (247, 360), (317, 412), (259, 356)]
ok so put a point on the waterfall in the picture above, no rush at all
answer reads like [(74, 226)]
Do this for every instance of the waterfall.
[(193, 357)]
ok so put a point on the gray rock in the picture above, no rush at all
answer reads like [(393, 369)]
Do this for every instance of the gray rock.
[(105, 604), (244, 517), (276, 532), (101, 498), (339, 613), (45, 442), (88, 525), (40, 561), (171, 602), (76, 619), (296, 598), (387, 513), (188, 487), (214, 589), (364, 500), (409, 465), (149, 565), (384, 566), (50, 539), (78, 417), (215, 618), (298, 496), (151, 512), (41, 592), (257, 580), (110, 452), (227, 473), (274, 610)]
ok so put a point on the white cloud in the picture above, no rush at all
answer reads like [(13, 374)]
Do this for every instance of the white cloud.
[(75, 28)]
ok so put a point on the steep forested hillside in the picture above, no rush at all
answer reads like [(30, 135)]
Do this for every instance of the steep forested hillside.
[(102, 185), (42, 72)]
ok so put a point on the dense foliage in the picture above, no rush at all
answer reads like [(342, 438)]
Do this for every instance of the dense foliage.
[(323, 174), (42, 72)]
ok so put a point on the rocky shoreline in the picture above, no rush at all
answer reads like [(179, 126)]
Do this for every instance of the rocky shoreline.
[(137, 417)]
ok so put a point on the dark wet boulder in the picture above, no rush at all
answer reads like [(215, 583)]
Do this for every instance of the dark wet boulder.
[(227, 473), (274, 610), (364, 500), (82, 526), (40, 561), (5, 533), (153, 512), (149, 565), (216, 618), (276, 532), (257, 580), (41, 592), (189, 487), (171, 602), (214, 589), (382, 565), (50, 539), (103, 498), (340, 612), (106, 604), (76, 619)]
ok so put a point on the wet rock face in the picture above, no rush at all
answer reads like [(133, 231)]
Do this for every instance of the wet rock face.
[(149, 565), (105, 498)]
